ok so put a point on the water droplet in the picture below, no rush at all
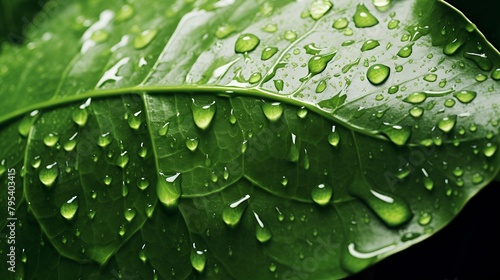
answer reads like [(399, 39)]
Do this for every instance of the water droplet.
[(268, 52), (321, 86), (312, 49), (393, 23), (192, 144), (430, 77), (406, 51), (416, 98), (168, 189), (449, 102), (399, 135), (224, 30), (428, 183), (107, 180), (35, 163), (477, 178), (480, 59), (318, 63), (363, 18), (378, 74), (104, 139), (124, 13), (134, 121), (495, 75), (246, 43), (322, 194), (446, 124), (262, 233), (393, 89), (129, 214), (225, 174), (369, 45), (272, 110), (198, 260), (51, 139), (270, 28), (290, 35), (27, 122), (334, 137), (302, 112), (143, 151), (99, 36), (122, 159), (465, 96), (490, 149), (293, 153), (255, 78), (424, 219), (164, 129), (399, 68), (144, 39), (453, 46), (142, 184), (142, 254), (49, 174), (231, 214), (71, 143), (203, 114), (80, 116), (416, 112), (340, 23), (481, 77), (68, 209), (319, 8)]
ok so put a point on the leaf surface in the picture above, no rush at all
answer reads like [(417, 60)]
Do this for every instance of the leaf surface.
[(237, 138)]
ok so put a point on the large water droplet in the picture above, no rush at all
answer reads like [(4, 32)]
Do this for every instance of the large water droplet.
[(134, 121), (27, 122), (144, 39), (465, 96), (203, 114), (272, 110), (406, 51), (231, 214), (424, 219), (319, 8), (49, 174), (378, 73), (312, 49), (268, 52), (51, 139), (68, 209), (453, 46), (198, 259), (246, 43), (495, 75), (416, 112), (302, 112), (168, 189), (490, 149), (363, 18), (104, 139), (278, 84), (262, 233), (192, 144), (399, 135), (293, 153), (124, 13), (318, 63), (290, 35), (164, 129), (71, 143), (322, 194), (446, 124), (80, 116), (122, 159), (480, 59), (340, 23)]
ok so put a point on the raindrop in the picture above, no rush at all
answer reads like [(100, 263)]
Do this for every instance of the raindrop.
[(35, 163), (363, 18), (144, 39), (378, 74), (129, 214), (231, 214), (80, 116), (446, 124), (49, 174), (322, 194), (453, 46), (270, 28), (104, 139), (246, 43), (122, 159), (321, 86), (168, 189), (164, 129), (393, 23), (255, 78), (302, 112), (268, 52), (340, 23), (224, 30), (71, 143), (495, 75), (143, 151), (203, 114), (107, 180), (312, 49), (334, 137), (490, 149), (124, 13), (51, 139), (198, 259), (272, 110), (481, 77), (293, 153), (416, 112), (262, 233), (192, 144), (68, 209), (319, 8), (424, 219), (99, 36), (449, 102), (477, 178), (135, 121), (318, 63), (225, 173), (393, 89), (430, 77), (290, 35), (406, 51), (27, 122), (465, 96), (416, 98), (399, 135), (142, 184), (142, 254), (369, 45)]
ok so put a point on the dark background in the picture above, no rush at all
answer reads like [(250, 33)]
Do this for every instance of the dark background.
[(468, 248)]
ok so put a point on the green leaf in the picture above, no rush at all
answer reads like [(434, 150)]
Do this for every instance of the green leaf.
[(227, 139)]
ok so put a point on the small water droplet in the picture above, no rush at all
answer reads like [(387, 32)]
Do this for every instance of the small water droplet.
[(321, 86), (393, 24), (104, 139), (27, 122), (406, 51), (319, 8), (465, 96), (322, 194), (334, 137), (430, 77), (224, 30), (268, 52), (477, 178), (231, 214), (262, 233), (71, 143), (225, 173), (68, 209), (369, 45), (424, 219), (416, 98), (340, 23), (363, 18), (168, 189), (449, 102), (198, 260), (272, 110), (490, 149), (129, 214), (134, 121), (124, 13), (495, 75), (378, 73), (142, 254), (142, 183), (164, 129), (453, 46), (270, 28), (290, 35), (255, 78), (416, 112), (393, 89), (192, 144), (318, 63), (246, 43), (446, 124), (48, 175), (203, 114), (302, 112), (80, 116), (481, 77), (144, 39)]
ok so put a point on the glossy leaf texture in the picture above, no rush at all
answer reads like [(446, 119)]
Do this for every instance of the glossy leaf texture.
[(228, 139)]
